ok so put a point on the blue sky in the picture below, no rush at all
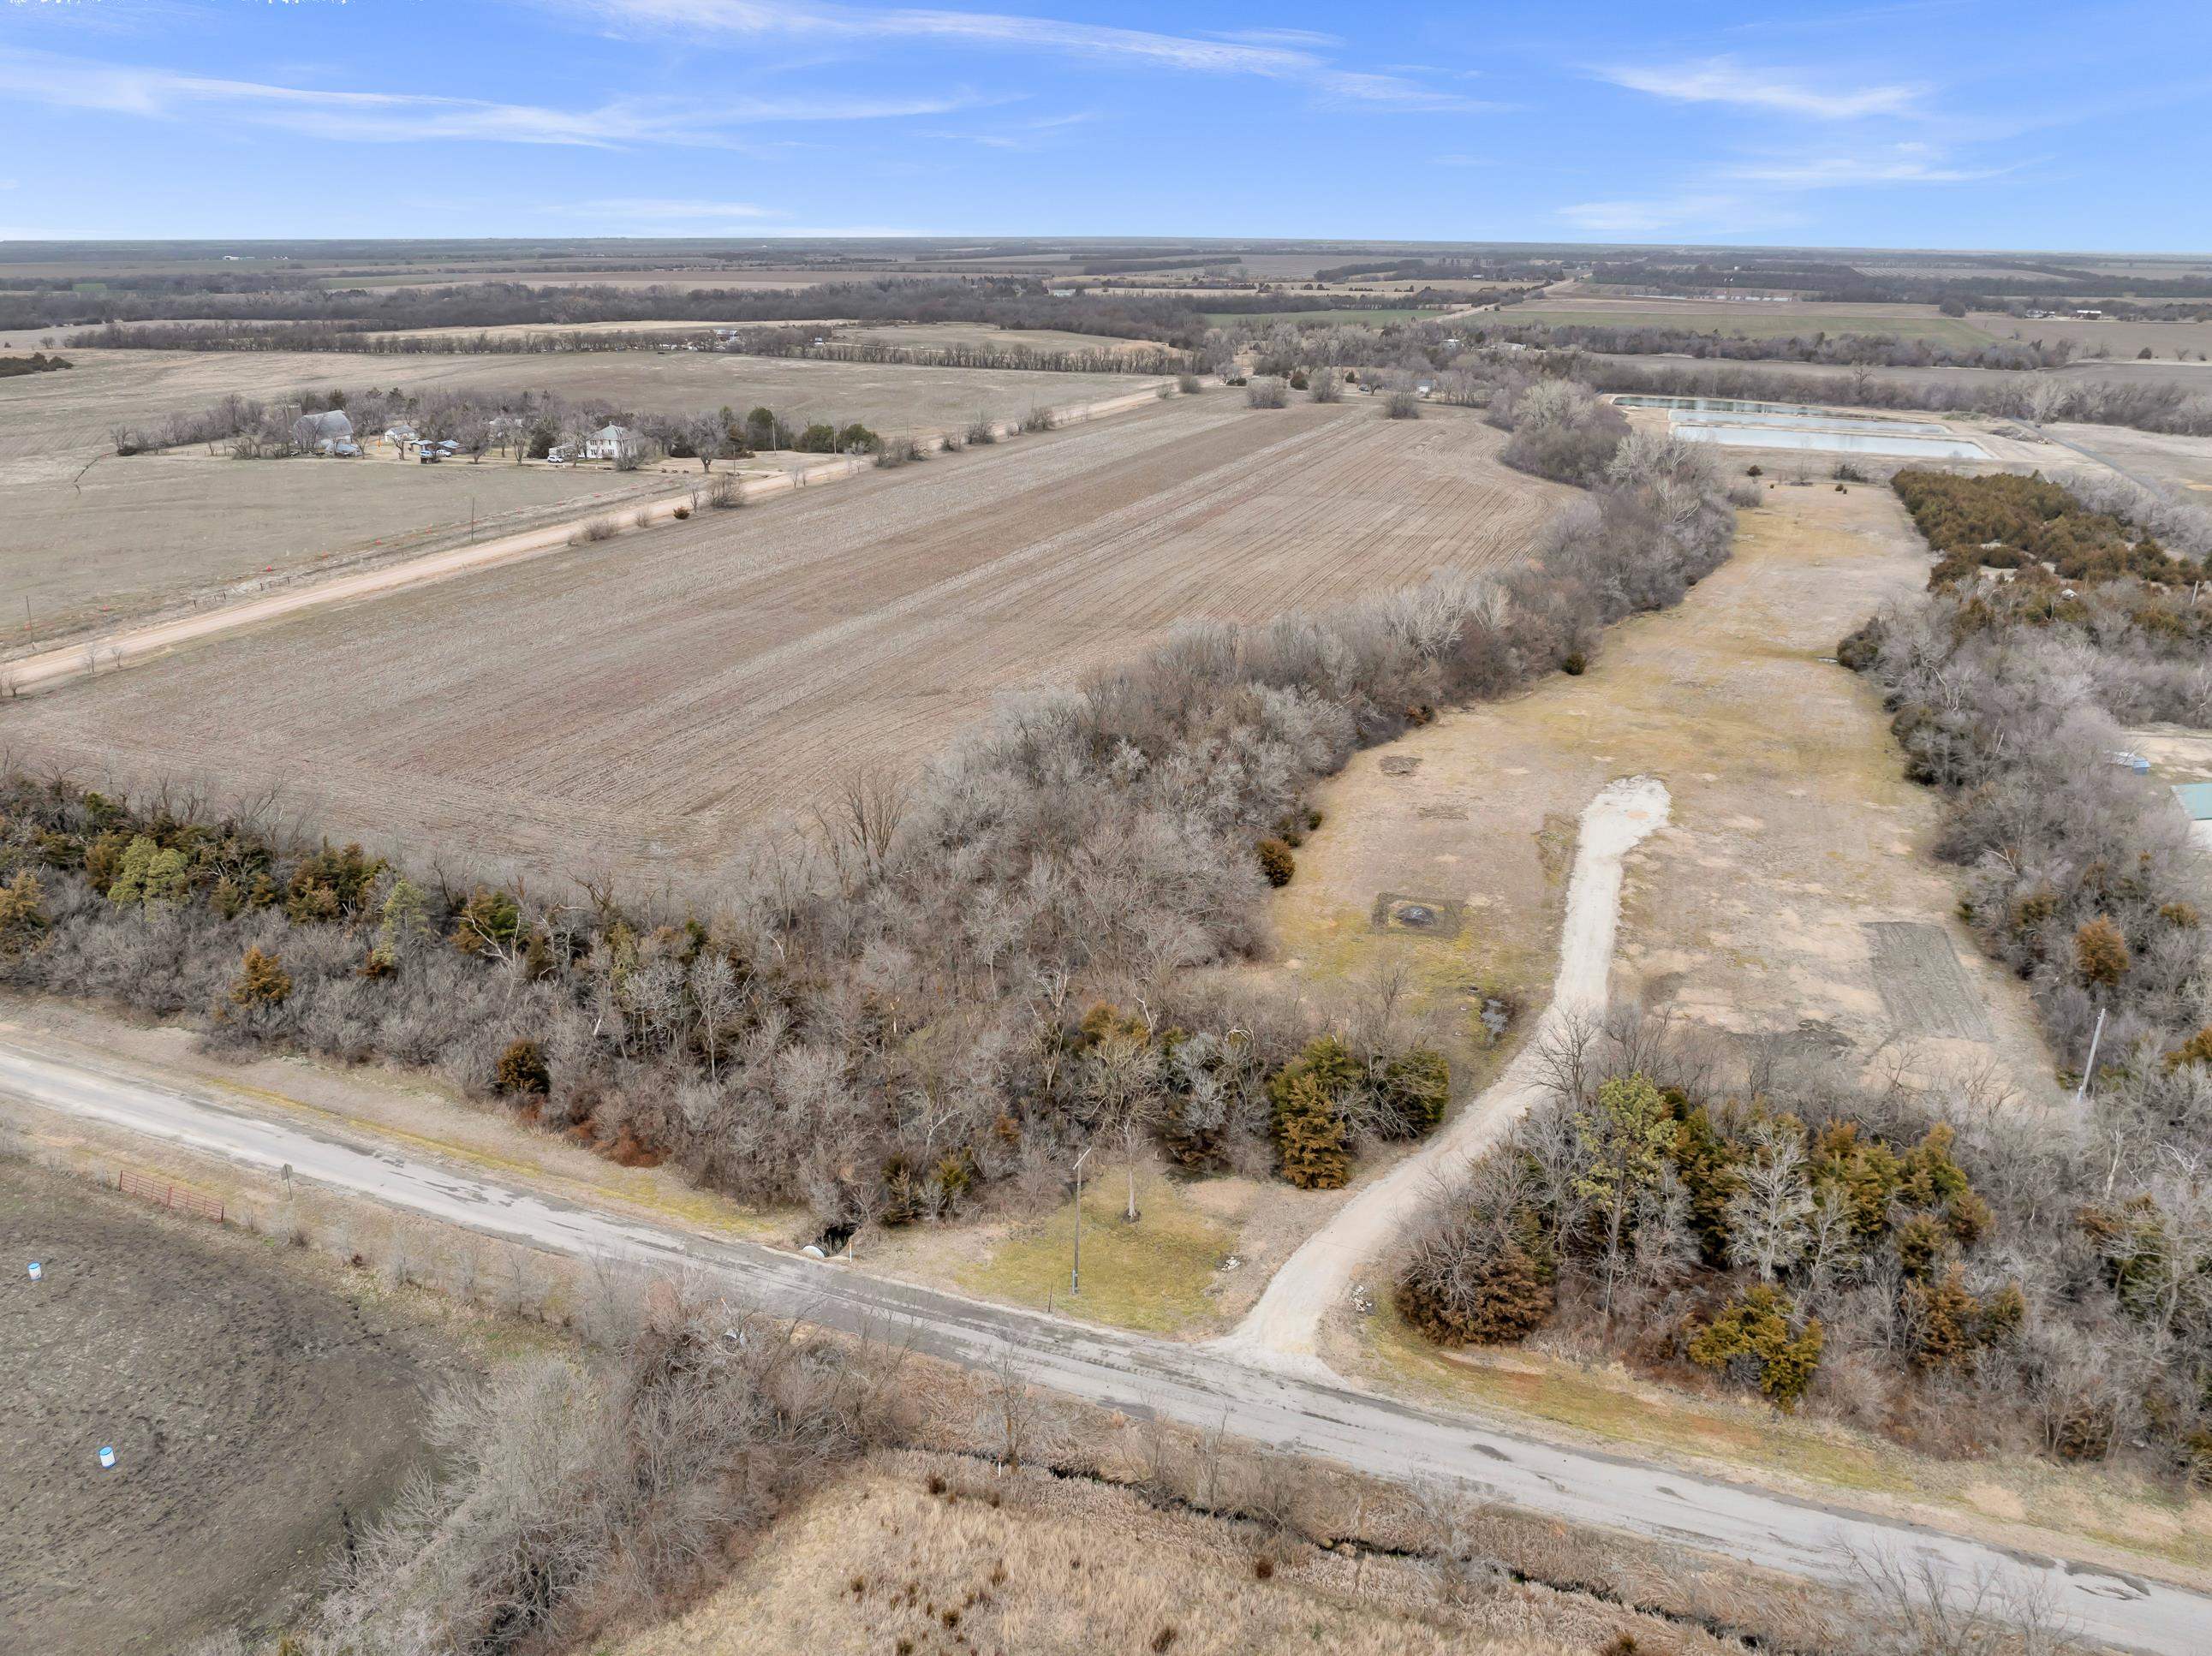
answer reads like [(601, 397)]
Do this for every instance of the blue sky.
[(1932, 123)]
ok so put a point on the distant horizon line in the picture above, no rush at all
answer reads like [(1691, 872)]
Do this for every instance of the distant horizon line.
[(1132, 240)]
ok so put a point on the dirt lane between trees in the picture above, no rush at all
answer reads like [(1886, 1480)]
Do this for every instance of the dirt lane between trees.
[(1283, 1330)]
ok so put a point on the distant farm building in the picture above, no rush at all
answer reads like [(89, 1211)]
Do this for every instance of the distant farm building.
[(613, 442), (323, 433)]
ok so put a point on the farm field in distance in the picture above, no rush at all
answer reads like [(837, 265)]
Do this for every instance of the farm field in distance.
[(630, 704), (2175, 462), (986, 336), (1376, 315), (86, 535), (2113, 338), (1750, 318)]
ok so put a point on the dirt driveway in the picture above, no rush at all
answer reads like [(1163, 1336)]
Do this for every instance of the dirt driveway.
[(255, 1417), (1792, 898)]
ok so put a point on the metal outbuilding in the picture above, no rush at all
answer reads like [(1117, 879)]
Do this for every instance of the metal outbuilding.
[(321, 434)]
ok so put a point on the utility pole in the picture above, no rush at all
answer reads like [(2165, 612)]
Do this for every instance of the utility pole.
[(1075, 1277), (472, 517), (2089, 1069)]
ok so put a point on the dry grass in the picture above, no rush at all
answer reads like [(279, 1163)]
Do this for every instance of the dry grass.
[(924, 1555), (2118, 340), (2176, 462), (1754, 320), (632, 705), (924, 337), (1744, 915), (1154, 1275), (134, 534)]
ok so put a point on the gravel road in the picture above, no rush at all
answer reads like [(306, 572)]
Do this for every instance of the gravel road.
[(1132, 1373)]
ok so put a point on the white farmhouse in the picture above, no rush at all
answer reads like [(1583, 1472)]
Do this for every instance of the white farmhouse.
[(613, 442)]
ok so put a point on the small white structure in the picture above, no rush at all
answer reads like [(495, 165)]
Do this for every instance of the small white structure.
[(613, 442), (322, 434)]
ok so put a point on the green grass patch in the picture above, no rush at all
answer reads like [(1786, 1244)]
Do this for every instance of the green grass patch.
[(1153, 1275)]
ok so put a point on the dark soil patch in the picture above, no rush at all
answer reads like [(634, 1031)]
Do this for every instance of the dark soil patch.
[(258, 1416)]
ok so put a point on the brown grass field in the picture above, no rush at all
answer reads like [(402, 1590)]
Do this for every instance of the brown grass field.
[(131, 535), (987, 335), (934, 1555), (2177, 463), (2166, 341), (1753, 320), (632, 703)]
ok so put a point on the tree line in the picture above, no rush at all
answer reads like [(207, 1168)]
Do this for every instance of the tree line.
[(519, 424), (316, 319), (937, 995)]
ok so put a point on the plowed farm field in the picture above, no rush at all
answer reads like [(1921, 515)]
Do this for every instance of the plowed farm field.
[(87, 536), (632, 706)]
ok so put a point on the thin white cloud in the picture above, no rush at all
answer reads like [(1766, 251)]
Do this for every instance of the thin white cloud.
[(1342, 86), (1288, 55), (1042, 133), (1280, 37), (402, 118), (662, 209), (1727, 80), (1841, 172), (1650, 216)]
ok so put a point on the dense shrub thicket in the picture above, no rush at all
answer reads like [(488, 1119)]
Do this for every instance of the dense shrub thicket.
[(889, 1017), (579, 1497), (36, 362), (2010, 522), (1930, 1263)]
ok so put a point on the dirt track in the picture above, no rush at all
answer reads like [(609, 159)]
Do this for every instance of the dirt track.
[(1283, 1330), (133, 534), (252, 1413), (632, 703)]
